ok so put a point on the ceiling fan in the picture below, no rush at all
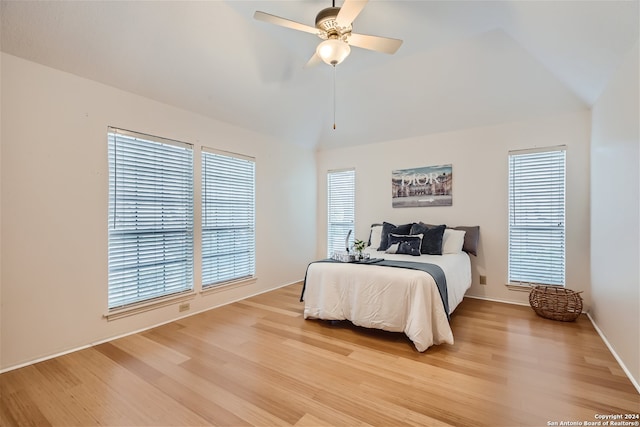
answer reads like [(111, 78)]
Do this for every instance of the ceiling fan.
[(334, 26)]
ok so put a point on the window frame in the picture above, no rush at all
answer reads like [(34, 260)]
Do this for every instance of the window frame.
[(337, 231), (537, 216), (244, 231), (158, 173)]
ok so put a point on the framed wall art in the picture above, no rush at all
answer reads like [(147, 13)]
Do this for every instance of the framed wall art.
[(424, 186)]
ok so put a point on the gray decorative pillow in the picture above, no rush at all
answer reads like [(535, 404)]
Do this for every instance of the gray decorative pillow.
[(432, 240), (405, 244), (471, 238)]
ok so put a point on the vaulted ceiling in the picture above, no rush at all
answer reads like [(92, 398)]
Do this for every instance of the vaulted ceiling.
[(462, 63)]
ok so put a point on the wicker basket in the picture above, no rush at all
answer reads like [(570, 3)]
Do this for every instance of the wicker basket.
[(554, 302)]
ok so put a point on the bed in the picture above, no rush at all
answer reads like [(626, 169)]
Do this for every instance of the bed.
[(391, 298)]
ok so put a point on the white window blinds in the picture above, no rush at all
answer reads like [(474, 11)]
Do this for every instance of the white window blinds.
[(537, 216), (228, 217), (150, 217), (341, 192)]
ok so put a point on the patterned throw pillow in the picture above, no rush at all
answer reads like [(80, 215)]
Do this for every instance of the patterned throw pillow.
[(387, 229), (405, 244)]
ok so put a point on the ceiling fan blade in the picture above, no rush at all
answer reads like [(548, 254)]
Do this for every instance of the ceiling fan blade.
[(349, 11), (379, 44), (272, 19), (315, 60)]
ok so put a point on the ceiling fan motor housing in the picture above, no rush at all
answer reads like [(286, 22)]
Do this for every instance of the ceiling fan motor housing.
[(328, 26)]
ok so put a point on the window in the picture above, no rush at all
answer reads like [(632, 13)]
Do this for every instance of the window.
[(150, 217), (537, 216), (228, 217), (341, 192)]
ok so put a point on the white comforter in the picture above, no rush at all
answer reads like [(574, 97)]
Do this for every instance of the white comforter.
[(389, 298)]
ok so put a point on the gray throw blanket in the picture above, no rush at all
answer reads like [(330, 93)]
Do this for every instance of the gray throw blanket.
[(434, 270)]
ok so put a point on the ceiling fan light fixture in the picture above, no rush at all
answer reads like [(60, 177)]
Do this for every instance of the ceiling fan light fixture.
[(333, 51)]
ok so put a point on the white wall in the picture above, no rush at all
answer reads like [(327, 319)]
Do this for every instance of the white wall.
[(615, 214), (480, 176), (54, 207)]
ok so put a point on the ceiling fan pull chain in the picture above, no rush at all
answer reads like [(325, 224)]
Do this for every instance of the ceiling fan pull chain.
[(334, 97)]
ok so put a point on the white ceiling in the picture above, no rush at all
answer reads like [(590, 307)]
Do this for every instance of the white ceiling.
[(462, 63)]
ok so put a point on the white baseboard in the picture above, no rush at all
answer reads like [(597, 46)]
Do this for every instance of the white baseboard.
[(615, 355), (498, 300), (83, 347)]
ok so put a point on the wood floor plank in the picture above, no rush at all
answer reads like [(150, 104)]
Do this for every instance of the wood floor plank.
[(18, 408), (259, 362), (50, 400), (128, 392), (218, 396)]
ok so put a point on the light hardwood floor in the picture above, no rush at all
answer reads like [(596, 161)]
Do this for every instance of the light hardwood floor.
[(258, 362)]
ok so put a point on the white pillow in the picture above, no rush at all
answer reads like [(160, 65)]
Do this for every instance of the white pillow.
[(375, 236), (452, 241)]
